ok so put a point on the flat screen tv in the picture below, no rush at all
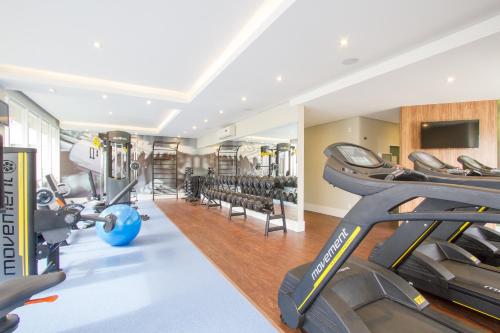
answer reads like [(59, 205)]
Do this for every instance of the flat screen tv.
[(450, 134), (4, 113)]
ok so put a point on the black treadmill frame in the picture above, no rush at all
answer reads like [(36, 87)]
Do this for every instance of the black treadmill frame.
[(378, 204)]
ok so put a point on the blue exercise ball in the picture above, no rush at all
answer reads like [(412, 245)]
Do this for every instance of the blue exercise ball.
[(127, 226)]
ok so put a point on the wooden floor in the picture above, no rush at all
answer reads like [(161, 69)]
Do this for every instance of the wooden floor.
[(256, 265)]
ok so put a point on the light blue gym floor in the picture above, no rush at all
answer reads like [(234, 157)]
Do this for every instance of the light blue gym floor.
[(160, 283)]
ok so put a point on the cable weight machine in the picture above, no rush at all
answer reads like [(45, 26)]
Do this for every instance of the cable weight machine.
[(227, 160)]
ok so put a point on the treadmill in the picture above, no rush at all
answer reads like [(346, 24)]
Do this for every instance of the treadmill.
[(468, 163), (479, 240), (337, 294)]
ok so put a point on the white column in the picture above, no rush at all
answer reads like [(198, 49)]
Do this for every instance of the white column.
[(300, 168)]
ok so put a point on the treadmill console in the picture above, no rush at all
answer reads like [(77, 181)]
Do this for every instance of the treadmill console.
[(428, 159), (358, 156)]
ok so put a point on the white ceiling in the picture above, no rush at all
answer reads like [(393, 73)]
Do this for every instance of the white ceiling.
[(160, 43), (391, 115), (474, 67), (201, 56)]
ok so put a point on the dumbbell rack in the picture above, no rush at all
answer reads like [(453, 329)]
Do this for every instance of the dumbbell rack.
[(257, 190), (164, 170), (210, 183), (227, 160), (287, 186)]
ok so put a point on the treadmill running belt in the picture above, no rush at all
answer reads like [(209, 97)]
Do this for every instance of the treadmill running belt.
[(385, 316), (475, 278)]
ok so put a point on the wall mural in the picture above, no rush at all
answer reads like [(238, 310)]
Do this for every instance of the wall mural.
[(76, 160)]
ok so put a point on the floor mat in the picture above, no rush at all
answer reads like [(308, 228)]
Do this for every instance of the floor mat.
[(160, 283)]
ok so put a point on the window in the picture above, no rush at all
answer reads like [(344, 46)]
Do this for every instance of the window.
[(32, 127), (34, 131), (56, 151), (34, 141), (46, 149), (16, 124)]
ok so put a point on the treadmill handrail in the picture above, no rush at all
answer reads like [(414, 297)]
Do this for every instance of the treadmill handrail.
[(474, 165), (473, 178), (413, 156), (376, 206)]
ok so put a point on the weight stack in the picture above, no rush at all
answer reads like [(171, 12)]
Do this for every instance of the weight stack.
[(18, 244)]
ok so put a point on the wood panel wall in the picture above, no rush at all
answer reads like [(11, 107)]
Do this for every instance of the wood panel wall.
[(485, 111)]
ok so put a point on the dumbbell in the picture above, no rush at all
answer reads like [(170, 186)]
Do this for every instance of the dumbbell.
[(287, 181), (219, 194), (258, 205), (263, 182), (253, 202), (255, 182), (268, 202), (245, 202), (282, 181), (237, 200)]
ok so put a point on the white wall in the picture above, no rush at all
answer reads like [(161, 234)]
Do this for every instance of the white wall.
[(374, 134), (320, 196), (378, 135), (299, 151), (278, 116)]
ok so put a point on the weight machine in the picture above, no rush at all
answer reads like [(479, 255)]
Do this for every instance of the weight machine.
[(279, 160), (267, 153), (164, 173), (227, 160), (32, 234), (117, 146)]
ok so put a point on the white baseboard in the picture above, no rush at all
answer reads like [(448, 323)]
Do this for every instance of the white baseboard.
[(333, 211)]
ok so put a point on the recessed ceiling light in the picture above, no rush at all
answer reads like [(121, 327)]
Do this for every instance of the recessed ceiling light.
[(178, 136), (148, 102), (97, 44), (450, 79), (206, 120), (221, 111), (194, 127), (243, 99), (343, 42), (104, 96), (350, 61), (279, 78), (110, 113), (52, 90)]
